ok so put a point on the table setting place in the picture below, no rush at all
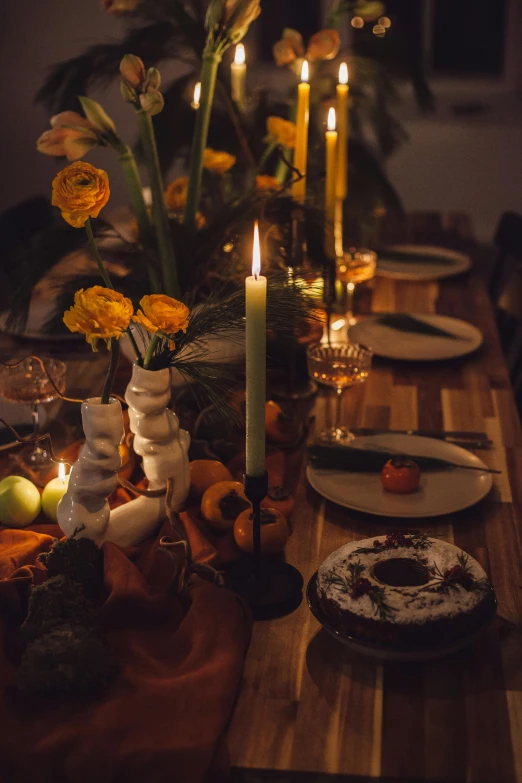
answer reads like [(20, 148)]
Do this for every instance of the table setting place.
[(259, 449)]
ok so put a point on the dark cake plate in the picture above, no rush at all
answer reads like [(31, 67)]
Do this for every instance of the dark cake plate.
[(386, 652)]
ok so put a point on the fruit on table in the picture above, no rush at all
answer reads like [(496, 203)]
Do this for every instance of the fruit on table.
[(274, 531), (222, 503), (400, 475), (280, 500), (280, 428), (20, 502), (204, 473)]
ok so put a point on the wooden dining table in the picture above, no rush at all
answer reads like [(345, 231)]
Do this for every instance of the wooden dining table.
[(312, 710), (309, 709)]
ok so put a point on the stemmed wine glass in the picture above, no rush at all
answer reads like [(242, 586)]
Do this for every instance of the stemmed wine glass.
[(341, 367), (29, 383), (352, 267)]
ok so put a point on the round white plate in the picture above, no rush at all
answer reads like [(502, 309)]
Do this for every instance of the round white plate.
[(439, 492), (422, 270), (409, 346), (381, 652)]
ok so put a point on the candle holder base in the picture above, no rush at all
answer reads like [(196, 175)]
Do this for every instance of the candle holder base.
[(275, 592)]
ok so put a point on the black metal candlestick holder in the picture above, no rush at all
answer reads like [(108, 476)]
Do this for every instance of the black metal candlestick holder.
[(270, 586)]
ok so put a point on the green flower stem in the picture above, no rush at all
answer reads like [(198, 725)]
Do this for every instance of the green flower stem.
[(270, 147), (134, 344), (282, 169), (97, 257), (208, 77), (113, 365), (159, 209), (150, 350)]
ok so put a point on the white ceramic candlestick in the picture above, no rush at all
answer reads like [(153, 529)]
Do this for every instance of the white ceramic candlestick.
[(255, 294), (94, 475), (163, 447)]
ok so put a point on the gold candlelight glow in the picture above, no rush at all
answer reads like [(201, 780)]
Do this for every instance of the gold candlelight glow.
[(330, 185), (256, 253), (238, 75), (330, 123), (61, 471), (197, 96)]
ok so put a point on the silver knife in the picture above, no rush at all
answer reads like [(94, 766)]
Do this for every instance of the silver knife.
[(440, 434)]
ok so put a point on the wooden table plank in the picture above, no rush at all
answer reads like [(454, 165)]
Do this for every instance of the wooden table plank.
[(310, 707)]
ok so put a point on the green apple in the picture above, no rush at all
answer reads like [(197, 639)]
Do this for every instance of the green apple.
[(20, 502)]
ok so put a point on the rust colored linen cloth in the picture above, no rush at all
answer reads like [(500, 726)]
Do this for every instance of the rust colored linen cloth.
[(164, 718)]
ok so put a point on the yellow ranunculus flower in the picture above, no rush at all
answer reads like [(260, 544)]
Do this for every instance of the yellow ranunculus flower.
[(281, 131), (176, 194), (99, 313), (80, 191), (216, 161), (266, 183), (162, 313)]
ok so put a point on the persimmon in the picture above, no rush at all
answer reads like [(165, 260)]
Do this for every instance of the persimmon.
[(222, 503), (204, 473), (274, 531), (400, 475), (280, 428), (279, 499)]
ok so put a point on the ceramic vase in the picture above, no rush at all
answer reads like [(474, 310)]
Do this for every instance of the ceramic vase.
[(163, 447), (94, 475)]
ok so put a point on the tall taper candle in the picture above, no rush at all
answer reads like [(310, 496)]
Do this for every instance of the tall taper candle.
[(238, 75), (329, 191), (343, 131), (255, 295), (301, 134)]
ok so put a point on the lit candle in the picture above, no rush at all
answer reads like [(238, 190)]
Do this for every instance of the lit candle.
[(342, 130), (329, 192), (197, 95), (238, 75), (54, 492), (301, 134), (255, 294)]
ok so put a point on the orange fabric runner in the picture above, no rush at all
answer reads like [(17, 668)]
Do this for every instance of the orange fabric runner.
[(164, 717)]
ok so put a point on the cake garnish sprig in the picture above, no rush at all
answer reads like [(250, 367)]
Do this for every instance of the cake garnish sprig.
[(459, 575), (356, 585), (416, 541)]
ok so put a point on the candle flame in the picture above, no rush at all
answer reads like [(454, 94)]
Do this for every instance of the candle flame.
[(256, 255), (239, 56), (343, 73), (197, 95), (304, 71), (338, 324), (61, 471), (331, 119)]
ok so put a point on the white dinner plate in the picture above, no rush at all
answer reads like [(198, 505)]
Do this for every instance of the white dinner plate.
[(439, 492), (454, 263), (409, 346)]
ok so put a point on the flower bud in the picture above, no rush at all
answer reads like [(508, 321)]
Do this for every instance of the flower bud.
[(128, 93), (133, 70), (154, 78), (97, 115), (152, 102)]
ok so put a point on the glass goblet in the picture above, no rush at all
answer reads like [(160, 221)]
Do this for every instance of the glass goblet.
[(352, 267), (27, 382), (340, 367)]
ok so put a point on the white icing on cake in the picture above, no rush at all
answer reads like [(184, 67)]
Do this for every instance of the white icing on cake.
[(409, 605)]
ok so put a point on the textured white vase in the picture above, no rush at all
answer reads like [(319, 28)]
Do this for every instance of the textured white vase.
[(163, 447), (94, 475)]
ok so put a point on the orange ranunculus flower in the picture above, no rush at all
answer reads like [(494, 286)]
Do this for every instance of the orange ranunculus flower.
[(289, 48), (176, 194), (80, 191), (216, 161), (162, 313), (281, 131), (324, 45), (99, 313), (71, 136), (266, 183)]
